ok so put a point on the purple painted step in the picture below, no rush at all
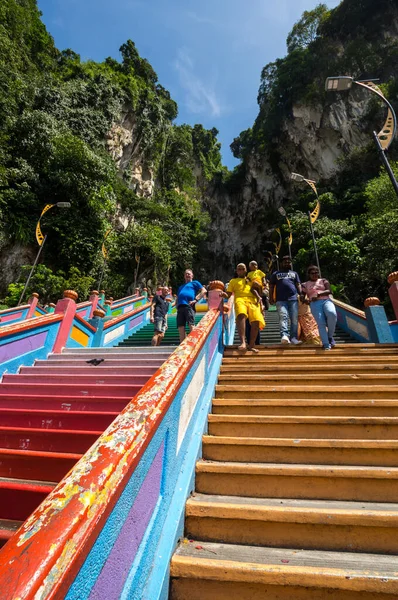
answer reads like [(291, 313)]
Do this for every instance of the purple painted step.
[(47, 440), (66, 403), (69, 389), (61, 419), (98, 378), (60, 369), (113, 362), (34, 465)]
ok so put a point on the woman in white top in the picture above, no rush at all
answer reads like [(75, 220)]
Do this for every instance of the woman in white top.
[(319, 294)]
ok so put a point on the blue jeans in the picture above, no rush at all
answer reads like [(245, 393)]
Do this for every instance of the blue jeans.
[(325, 316), (288, 309)]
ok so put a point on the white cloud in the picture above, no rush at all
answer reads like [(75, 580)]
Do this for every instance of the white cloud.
[(200, 96)]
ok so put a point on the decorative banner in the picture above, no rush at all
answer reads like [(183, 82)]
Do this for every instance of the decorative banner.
[(279, 244), (315, 213), (39, 235), (290, 238), (387, 132), (104, 250)]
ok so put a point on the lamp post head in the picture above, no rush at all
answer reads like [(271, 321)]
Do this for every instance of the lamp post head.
[(296, 177), (63, 204), (282, 211), (341, 83)]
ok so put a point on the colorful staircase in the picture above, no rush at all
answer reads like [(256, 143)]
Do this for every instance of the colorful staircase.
[(51, 413), (297, 491), (144, 336)]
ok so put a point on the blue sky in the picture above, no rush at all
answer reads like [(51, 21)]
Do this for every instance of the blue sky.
[(208, 54)]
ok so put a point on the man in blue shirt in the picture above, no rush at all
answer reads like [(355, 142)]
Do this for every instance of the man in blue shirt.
[(188, 294), (284, 289)]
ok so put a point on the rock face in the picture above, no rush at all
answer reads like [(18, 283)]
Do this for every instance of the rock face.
[(313, 141), (123, 144)]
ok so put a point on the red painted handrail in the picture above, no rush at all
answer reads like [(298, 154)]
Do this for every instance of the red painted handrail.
[(44, 556)]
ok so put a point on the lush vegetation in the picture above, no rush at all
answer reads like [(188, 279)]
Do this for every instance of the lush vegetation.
[(56, 115)]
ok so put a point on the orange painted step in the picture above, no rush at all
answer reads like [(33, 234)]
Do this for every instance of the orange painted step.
[(381, 453), (327, 482), (285, 523), (315, 408), (383, 428)]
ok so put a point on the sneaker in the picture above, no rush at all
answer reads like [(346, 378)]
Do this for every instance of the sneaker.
[(295, 341), (326, 348), (332, 342), (285, 340)]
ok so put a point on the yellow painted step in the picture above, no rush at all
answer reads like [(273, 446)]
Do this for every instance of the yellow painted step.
[(379, 453), (251, 390), (352, 408), (377, 428), (328, 482), (340, 368), (211, 571), (293, 351), (285, 523), (316, 379)]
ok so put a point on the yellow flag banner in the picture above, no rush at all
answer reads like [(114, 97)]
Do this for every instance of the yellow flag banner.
[(279, 244), (39, 235), (315, 213), (104, 250)]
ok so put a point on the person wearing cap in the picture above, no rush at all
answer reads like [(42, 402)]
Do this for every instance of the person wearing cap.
[(246, 307)]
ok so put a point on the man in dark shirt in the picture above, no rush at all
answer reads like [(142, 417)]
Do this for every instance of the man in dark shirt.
[(188, 294), (284, 287), (158, 315)]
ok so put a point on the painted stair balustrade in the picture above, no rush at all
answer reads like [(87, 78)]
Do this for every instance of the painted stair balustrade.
[(50, 415), (297, 491), (109, 527)]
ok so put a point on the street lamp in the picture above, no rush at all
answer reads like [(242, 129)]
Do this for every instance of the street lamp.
[(386, 135), (282, 212), (41, 240), (312, 216)]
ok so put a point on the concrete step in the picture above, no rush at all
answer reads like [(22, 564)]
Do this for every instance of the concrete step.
[(376, 428), (64, 402), (284, 523), (7, 529), (20, 497), (326, 482), (47, 440), (74, 390), (212, 571), (92, 370), (325, 368), (301, 408), (381, 453), (291, 351), (108, 362), (114, 350), (298, 359), (316, 379), (35, 465), (57, 419), (317, 392)]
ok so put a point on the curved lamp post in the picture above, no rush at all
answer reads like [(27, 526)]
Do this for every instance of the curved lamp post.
[(41, 240), (312, 216), (282, 212), (387, 134)]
